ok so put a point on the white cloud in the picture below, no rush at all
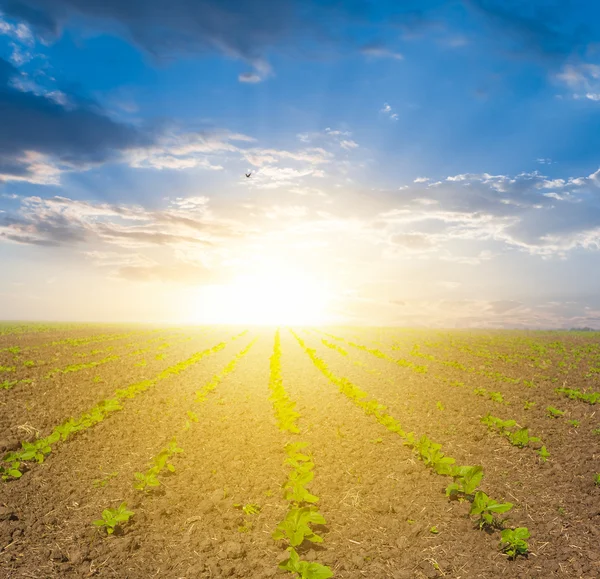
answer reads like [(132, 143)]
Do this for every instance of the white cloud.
[(376, 51), (249, 77), (583, 78), (387, 110), (348, 144)]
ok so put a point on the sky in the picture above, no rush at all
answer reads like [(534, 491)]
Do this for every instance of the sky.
[(416, 163)]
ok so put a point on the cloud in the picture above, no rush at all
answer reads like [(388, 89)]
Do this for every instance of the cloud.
[(582, 78), (41, 137), (537, 29), (412, 241), (387, 110), (379, 51), (249, 77), (244, 30), (60, 221), (519, 211)]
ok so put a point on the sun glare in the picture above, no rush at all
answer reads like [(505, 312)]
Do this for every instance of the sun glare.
[(267, 299)]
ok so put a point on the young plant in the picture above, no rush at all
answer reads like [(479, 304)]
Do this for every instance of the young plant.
[(486, 508), (466, 481), (528, 405), (521, 438), (597, 479), (304, 569), (295, 527), (513, 542), (112, 518), (544, 454), (554, 412)]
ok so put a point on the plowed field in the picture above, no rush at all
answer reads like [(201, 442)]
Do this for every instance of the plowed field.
[(344, 452)]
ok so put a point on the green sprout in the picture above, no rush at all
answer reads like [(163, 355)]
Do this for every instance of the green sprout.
[(513, 542), (544, 454), (112, 518), (554, 412), (486, 508)]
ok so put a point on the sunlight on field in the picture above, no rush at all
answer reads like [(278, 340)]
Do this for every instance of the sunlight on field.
[(267, 299)]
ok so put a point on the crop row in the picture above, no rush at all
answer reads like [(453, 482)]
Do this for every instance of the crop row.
[(148, 480), (302, 512), (466, 479), (37, 450)]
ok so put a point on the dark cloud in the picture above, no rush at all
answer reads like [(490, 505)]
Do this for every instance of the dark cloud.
[(538, 27), (238, 28), (77, 135), (49, 230)]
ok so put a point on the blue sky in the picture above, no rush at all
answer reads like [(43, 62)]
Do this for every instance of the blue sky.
[(412, 163)]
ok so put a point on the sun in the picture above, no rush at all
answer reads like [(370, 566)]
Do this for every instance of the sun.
[(268, 298)]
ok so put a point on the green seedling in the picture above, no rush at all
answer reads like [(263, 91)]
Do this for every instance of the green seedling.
[(457, 384), (434, 530), (554, 412), (28, 363), (466, 481), (295, 526), (597, 480), (430, 453), (513, 542), (102, 482), (521, 438), (596, 431), (112, 518), (486, 508), (304, 569), (251, 509), (574, 423), (589, 397), (8, 384), (439, 405), (146, 480), (528, 405), (377, 440), (544, 454), (11, 470)]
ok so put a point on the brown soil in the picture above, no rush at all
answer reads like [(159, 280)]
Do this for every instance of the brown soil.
[(380, 502)]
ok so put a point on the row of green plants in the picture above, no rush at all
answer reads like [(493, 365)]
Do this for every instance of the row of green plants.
[(14, 462), (111, 519), (285, 408), (379, 354), (466, 479), (517, 435), (83, 366), (574, 394), (296, 526)]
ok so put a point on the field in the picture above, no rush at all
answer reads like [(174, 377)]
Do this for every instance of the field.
[(208, 452)]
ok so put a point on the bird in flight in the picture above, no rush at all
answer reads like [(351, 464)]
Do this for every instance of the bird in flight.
[(248, 174)]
